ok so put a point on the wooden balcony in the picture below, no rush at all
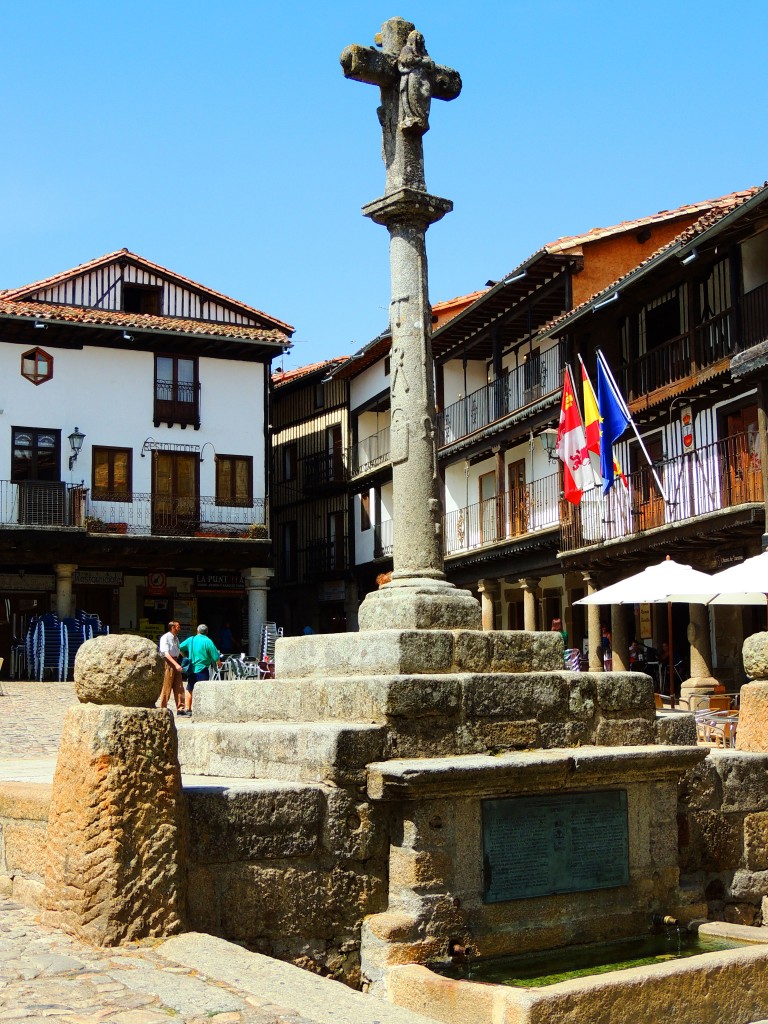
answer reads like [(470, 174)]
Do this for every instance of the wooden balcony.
[(516, 513), (720, 476), (177, 403), (541, 375)]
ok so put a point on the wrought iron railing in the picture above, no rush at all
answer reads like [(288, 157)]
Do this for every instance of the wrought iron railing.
[(41, 503), (370, 453), (540, 375), (718, 476), (174, 516), (515, 513), (383, 539)]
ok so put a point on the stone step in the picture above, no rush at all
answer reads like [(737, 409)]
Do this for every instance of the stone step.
[(410, 651), (329, 752)]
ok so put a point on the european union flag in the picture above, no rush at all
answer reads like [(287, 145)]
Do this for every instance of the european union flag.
[(614, 420)]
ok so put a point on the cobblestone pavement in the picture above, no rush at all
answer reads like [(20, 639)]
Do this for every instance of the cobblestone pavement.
[(32, 715), (46, 976)]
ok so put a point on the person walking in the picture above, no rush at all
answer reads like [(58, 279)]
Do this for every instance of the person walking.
[(202, 653), (169, 649)]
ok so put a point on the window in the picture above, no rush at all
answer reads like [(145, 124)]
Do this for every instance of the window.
[(140, 298), (35, 454), (288, 541), (111, 474), (234, 480), (37, 366), (319, 395), (177, 391), (365, 511), (290, 460)]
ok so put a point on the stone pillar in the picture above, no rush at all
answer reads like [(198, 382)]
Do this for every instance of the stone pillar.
[(117, 848), (620, 642), (752, 733), (530, 587), (701, 679), (593, 627), (256, 586), (488, 590), (64, 600)]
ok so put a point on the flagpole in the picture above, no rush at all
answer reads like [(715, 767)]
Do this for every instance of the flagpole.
[(625, 409)]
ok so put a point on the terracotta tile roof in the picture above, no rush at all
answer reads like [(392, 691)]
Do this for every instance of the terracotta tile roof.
[(717, 210), (112, 257), (663, 216), (280, 377), (86, 315)]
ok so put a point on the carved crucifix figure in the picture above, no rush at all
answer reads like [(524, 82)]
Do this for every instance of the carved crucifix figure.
[(418, 595), (409, 79)]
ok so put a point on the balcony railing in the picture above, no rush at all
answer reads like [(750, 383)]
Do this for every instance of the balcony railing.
[(540, 375), (177, 403), (523, 510), (370, 453), (34, 503), (173, 516), (754, 316), (718, 476), (323, 557), (323, 469), (383, 539)]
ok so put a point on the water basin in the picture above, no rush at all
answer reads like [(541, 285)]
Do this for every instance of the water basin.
[(548, 968)]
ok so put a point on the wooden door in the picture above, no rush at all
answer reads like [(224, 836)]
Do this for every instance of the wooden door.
[(742, 478), (518, 499), (335, 454), (176, 493)]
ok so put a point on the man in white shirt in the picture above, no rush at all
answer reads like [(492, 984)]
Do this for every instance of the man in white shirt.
[(169, 648)]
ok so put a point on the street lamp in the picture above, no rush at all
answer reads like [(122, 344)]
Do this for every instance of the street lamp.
[(76, 439), (548, 438)]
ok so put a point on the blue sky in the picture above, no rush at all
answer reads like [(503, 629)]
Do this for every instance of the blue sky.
[(223, 141)]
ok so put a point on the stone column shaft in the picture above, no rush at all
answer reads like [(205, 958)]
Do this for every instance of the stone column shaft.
[(530, 587), (701, 679), (256, 586), (64, 600), (593, 628), (488, 589), (620, 642)]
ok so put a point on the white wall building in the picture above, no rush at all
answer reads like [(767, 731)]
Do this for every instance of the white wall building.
[(161, 513)]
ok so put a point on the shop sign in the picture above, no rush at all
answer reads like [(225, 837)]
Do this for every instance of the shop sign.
[(332, 590), (97, 578), (157, 582), (686, 422), (220, 582), (27, 581)]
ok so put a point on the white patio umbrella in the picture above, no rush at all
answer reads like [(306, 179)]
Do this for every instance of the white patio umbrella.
[(655, 585), (745, 583)]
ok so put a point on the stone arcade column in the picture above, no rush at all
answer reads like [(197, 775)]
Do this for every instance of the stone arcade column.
[(418, 596), (256, 586), (620, 642), (488, 590), (530, 586), (593, 627), (64, 573), (701, 679)]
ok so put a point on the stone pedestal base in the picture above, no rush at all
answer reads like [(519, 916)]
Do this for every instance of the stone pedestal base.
[(698, 686), (752, 733), (420, 604), (117, 848)]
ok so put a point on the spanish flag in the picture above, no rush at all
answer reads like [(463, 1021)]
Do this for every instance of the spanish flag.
[(572, 446), (592, 427)]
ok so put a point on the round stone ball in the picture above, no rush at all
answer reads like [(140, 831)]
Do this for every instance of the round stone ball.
[(755, 652), (119, 669)]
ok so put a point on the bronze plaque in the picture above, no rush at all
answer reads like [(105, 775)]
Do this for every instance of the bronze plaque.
[(542, 845)]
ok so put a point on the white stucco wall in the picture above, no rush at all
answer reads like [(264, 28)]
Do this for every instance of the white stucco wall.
[(109, 395), (754, 258), (368, 384), (454, 384)]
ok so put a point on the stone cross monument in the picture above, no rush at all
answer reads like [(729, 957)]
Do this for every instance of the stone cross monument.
[(419, 596)]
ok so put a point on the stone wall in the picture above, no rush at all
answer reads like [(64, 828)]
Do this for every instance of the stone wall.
[(24, 808), (723, 835)]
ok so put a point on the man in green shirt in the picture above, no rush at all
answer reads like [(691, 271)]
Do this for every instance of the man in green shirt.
[(202, 653)]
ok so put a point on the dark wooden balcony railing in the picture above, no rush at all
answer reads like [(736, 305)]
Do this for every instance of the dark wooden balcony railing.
[(754, 316), (718, 476), (177, 403), (540, 375), (323, 557), (323, 469), (515, 513)]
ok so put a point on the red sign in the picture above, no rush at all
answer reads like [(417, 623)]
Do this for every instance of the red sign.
[(157, 582)]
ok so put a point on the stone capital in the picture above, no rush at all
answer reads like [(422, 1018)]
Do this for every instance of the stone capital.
[(408, 205)]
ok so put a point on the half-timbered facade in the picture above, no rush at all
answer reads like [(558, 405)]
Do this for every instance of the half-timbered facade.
[(314, 586), (133, 477), (670, 330)]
